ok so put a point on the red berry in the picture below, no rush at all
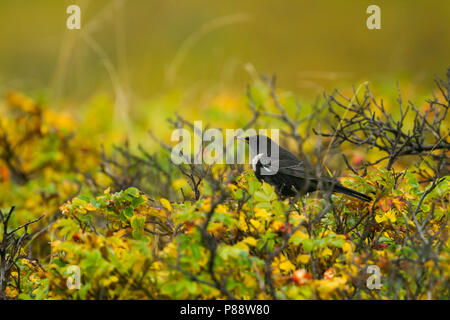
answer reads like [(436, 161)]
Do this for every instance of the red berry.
[(328, 274), (357, 160), (301, 277)]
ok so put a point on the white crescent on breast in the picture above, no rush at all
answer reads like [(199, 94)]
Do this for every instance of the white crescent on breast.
[(255, 161)]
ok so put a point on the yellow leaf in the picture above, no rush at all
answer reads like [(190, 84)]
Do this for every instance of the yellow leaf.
[(347, 248), (379, 218), (255, 223), (242, 223), (166, 204), (242, 245), (178, 184), (249, 282), (287, 266), (262, 213), (329, 172), (277, 224), (251, 241), (300, 234), (391, 216), (232, 187), (303, 258), (206, 206), (221, 208), (326, 252), (90, 207), (120, 233)]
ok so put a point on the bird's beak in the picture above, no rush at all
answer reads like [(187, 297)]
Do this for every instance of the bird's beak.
[(241, 138)]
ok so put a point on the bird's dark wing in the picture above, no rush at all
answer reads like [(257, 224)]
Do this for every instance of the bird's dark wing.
[(288, 167), (296, 169), (293, 168)]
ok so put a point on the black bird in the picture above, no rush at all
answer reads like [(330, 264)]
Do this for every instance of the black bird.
[(287, 173)]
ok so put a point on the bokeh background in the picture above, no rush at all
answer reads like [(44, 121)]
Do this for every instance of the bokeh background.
[(141, 61), (71, 100)]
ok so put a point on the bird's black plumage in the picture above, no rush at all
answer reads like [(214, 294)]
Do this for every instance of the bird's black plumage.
[(287, 173)]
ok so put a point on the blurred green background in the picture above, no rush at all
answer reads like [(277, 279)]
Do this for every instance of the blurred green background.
[(176, 55)]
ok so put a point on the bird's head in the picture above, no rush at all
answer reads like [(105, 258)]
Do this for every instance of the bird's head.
[(259, 144)]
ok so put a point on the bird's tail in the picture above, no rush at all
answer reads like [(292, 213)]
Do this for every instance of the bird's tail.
[(341, 189)]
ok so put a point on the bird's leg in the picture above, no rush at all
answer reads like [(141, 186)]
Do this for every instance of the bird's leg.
[(279, 191), (293, 201), (296, 191)]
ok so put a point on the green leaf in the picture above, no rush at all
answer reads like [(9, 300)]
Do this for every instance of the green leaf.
[(267, 188), (137, 235), (253, 185), (137, 201), (206, 188), (24, 296), (263, 205), (128, 212), (260, 196), (239, 194), (308, 245), (77, 202), (132, 191), (296, 240), (339, 243), (137, 223), (191, 286), (384, 240), (196, 254), (270, 244), (59, 263), (122, 217)]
